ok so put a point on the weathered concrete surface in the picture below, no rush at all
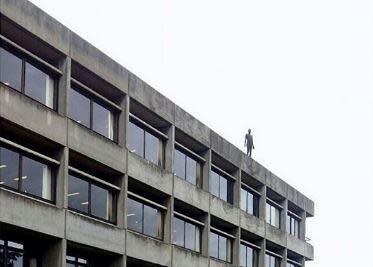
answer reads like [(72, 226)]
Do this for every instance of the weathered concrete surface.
[(25, 212), (149, 173), (94, 233), (151, 250), (225, 211), (252, 224), (217, 263), (186, 258), (253, 168), (190, 194), (191, 126), (37, 22), (225, 149), (32, 115), (276, 184), (96, 147), (151, 99), (275, 235)]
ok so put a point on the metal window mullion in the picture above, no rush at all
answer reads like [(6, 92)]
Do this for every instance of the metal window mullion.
[(20, 161), (23, 76)]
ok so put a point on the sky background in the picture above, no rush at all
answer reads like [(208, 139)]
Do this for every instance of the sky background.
[(299, 73)]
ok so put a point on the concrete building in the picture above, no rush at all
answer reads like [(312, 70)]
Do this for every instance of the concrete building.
[(99, 169)]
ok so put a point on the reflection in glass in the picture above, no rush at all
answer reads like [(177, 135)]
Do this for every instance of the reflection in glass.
[(9, 168), (151, 148), (190, 236), (99, 202), (243, 200), (214, 183), (136, 139), (191, 170), (10, 69), (78, 194), (178, 232), (134, 215), (214, 245), (150, 221), (102, 121), (39, 85), (272, 215), (179, 164), (79, 108), (223, 188)]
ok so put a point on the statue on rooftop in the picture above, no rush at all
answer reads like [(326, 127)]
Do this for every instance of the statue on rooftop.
[(249, 143)]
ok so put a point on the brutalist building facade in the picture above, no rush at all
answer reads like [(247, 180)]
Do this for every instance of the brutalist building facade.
[(99, 169)]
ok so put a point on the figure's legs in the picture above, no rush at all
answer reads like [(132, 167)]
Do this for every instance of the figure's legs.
[(249, 153)]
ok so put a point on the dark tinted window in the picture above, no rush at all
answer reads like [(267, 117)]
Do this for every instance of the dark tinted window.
[(134, 215), (36, 178), (100, 202), (78, 194), (9, 168), (136, 139), (79, 108), (102, 121), (72, 261), (10, 69), (151, 148)]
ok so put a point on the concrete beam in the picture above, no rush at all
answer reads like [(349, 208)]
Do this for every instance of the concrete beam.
[(225, 211)]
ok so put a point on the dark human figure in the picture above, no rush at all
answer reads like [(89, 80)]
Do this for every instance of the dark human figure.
[(249, 143)]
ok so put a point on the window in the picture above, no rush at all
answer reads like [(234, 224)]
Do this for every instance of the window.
[(221, 187), (249, 202), (289, 264), (72, 261), (11, 254), (91, 198), (144, 219), (145, 144), (273, 215), (88, 112), (248, 256), (272, 261), (24, 77), (185, 167), (220, 247), (25, 174), (186, 234), (292, 226)]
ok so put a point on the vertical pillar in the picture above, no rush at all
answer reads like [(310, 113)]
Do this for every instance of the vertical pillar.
[(283, 216), (237, 188), (284, 258), (206, 171), (63, 87), (236, 247), (205, 245), (262, 254), (121, 261), (302, 226), (55, 254), (262, 203), (62, 179), (169, 149)]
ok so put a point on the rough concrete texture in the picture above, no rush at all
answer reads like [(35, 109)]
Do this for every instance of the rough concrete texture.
[(185, 258), (252, 224), (275, 235), (223, 210), (225, 149)]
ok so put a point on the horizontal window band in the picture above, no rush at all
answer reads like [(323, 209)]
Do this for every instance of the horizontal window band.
[(273, 254), (145, 200), (94, 178), (224, 173), (220, 232), (187, 218), (249, 244), (95, 94), (252, 190), (274, 203), (149, 127), (192, 153), (294, 262), (292, 214), (29, 151), (31, 55)]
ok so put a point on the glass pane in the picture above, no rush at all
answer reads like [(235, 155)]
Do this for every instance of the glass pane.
[(179, 164), (178, 232), (150, 221), (250, 257), (222, 248), (151, 148), (102, 121), (78, 194), (250, 203), (10, 69), (190, 236), (39, 85), (14, 258), (296, 228), (100, 202), (136, 139), (288, 224), (191, 170), (9, 165), (214, 184), (277, 217), (267, 261), (1, 255), (243, 201), (223, 188), (79, 108), (134, 215), (36, 178), (242, 255), (214, 244)]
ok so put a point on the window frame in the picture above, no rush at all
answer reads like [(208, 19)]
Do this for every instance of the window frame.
[(76, 262), (96, 98), (160, 215), (230, 183), (92, 180), (255, 248), (256, 199), (229, 238), (277, 207), (6, 248), (51, 164), (292, 217), (277, 257), (27, 57)]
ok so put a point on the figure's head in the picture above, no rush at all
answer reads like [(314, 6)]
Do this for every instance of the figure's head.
[(249, 131)]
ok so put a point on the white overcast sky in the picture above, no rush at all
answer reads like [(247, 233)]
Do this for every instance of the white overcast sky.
[(299, 73)]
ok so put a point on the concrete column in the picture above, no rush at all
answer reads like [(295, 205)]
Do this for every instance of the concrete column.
[(121, 261), (123, 119), (284, 257), (205, 250), (63, 87), (169, 149), (55, 254), (62, 179), (236, 247), (283, 216), (262, 254), (302, 226), (262, 203), (167, 228), (121, 202), (206, 171), (237, 188)]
